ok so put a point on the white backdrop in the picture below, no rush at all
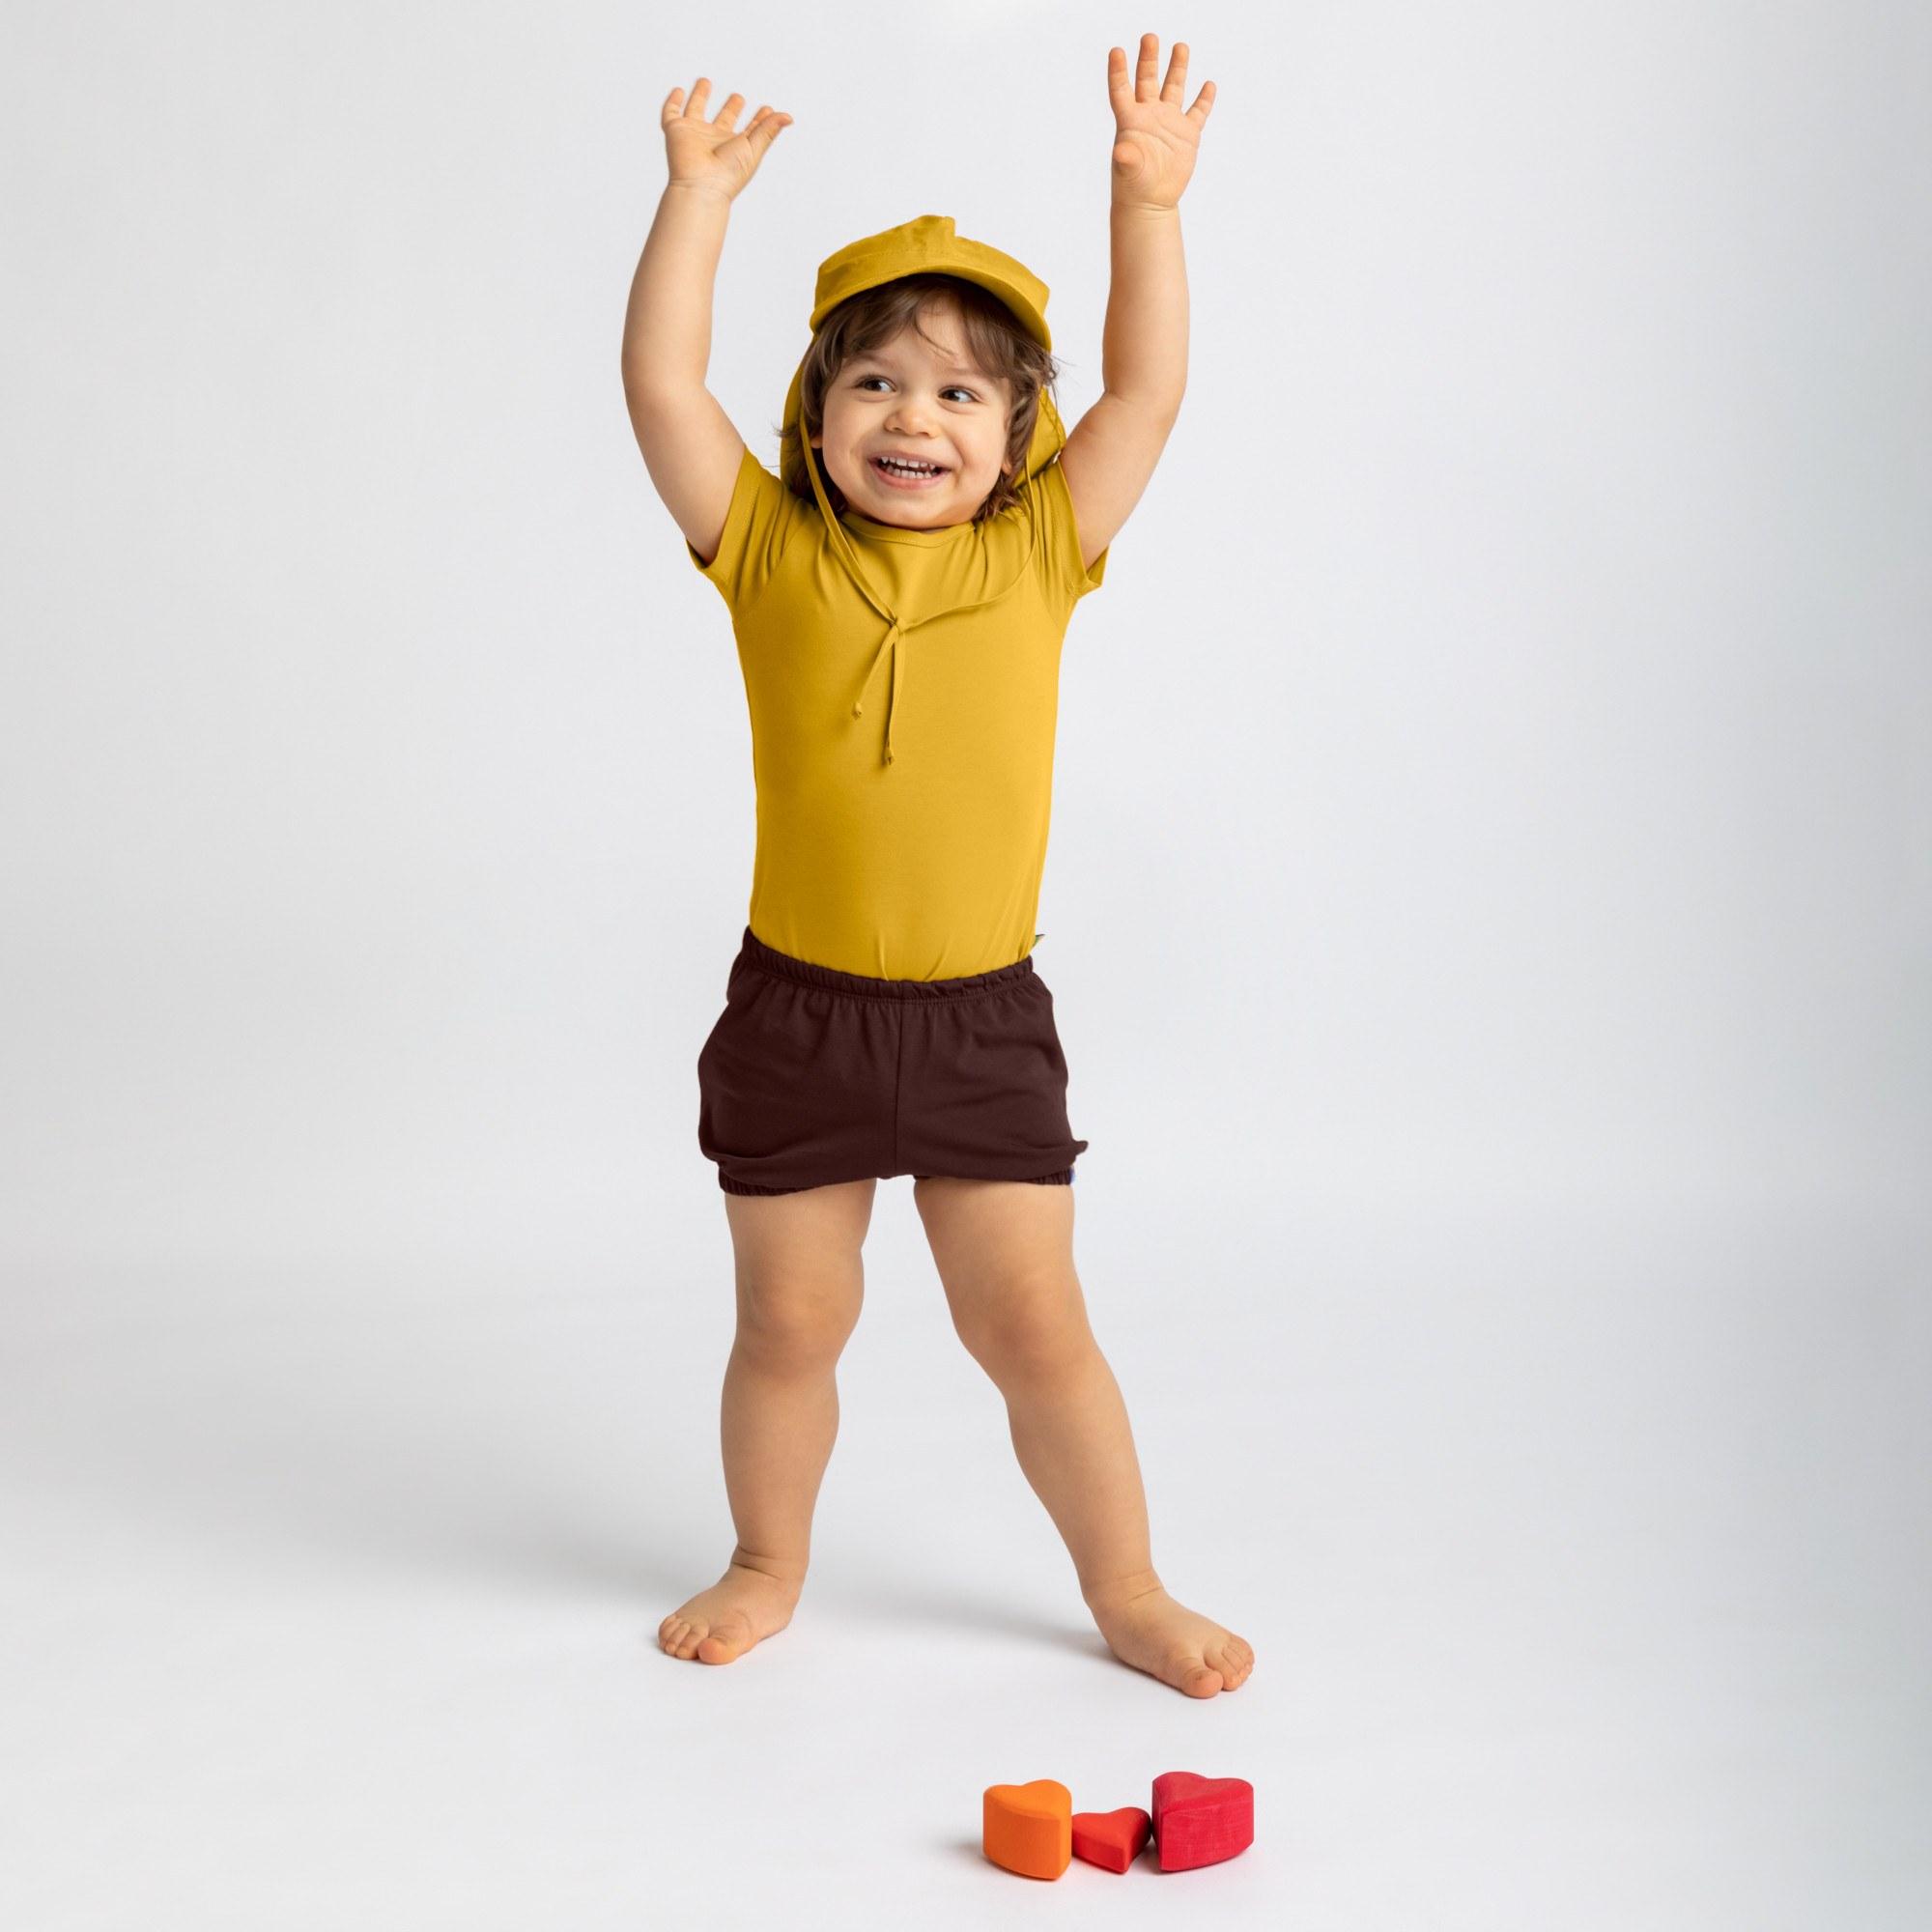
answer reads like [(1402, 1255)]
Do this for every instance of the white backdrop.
[(1490, 912)]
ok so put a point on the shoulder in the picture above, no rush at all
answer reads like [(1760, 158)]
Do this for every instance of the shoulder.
[(763, 513), (1068, 557)]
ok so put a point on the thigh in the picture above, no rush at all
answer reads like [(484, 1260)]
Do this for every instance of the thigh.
[(1005, 1254), (798, 1262)]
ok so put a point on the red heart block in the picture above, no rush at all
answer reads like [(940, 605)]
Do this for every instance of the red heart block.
[(1111, 1839), (1200, 1821)]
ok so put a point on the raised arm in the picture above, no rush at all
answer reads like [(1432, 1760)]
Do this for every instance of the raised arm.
[(689, 445), (1111, 450)]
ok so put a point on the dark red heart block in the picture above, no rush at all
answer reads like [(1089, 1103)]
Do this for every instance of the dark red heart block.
[(1111, 1840), (1200, 1821)]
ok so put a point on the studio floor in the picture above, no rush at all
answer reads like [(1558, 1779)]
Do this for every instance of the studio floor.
[(1576, 1551)]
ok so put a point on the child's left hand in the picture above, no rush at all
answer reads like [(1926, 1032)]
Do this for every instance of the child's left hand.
[(1155, 143)]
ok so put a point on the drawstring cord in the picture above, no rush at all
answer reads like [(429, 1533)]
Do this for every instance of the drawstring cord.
[(891, 646)]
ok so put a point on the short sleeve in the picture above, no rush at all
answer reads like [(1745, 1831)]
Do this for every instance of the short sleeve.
[(756, 526), (1062, 537)]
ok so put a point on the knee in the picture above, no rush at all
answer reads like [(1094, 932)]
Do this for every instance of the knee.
[(1036, 1333), (794, 1322)]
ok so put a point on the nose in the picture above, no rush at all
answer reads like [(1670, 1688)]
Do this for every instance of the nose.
[(909, 414)]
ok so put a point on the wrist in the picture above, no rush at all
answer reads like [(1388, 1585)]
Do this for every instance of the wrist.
[(1145, 211)]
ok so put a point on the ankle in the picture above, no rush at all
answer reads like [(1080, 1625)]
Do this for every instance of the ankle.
[(1116, 1592), (788, 1576)]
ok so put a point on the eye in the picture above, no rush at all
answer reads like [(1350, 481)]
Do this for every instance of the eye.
[(953, 389)]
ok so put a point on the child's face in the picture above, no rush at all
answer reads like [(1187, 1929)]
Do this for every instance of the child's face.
[(926, 400)]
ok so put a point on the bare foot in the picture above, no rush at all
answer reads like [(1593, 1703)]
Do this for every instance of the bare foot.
[(1145, 1626), (723, 1622)]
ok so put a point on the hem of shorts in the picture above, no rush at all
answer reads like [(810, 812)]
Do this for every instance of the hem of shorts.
[(1064, 1177)]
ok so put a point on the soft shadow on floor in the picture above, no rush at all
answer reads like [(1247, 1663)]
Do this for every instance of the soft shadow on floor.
[(904, 1601), (526, 1460)]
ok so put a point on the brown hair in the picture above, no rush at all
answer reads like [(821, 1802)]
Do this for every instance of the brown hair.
[(994, 339)]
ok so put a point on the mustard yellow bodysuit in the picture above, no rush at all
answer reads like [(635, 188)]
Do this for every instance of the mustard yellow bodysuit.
[(904, 685)]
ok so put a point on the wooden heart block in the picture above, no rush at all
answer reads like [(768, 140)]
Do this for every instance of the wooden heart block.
[(1029, 1828), (1111, 1839), (1200, 1821)]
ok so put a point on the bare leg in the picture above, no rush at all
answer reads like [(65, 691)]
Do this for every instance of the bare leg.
[(1005, 1254), (800, 1285)]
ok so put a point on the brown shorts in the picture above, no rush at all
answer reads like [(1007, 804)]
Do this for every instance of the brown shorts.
[(812, 1075)]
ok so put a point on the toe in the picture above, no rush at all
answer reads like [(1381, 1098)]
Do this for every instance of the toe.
[(1199, 1679), (725, 1640), (1232, 1659)]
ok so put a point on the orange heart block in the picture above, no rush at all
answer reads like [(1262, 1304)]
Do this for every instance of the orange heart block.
[(1200, 1821), (1111, 1840), (1029, 1828)]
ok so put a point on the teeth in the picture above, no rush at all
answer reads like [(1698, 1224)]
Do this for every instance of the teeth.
[(910, 468)]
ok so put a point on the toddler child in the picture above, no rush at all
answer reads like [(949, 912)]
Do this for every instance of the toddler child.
[(899, 592)]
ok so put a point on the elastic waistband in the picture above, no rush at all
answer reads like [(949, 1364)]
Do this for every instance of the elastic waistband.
[(969, 986)]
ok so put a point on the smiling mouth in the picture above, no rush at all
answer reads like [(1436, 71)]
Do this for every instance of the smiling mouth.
[(906, 472)]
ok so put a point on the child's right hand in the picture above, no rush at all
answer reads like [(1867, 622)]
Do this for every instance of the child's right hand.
[(709, 154)]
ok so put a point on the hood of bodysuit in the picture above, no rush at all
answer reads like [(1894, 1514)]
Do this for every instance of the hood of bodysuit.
[(928, 246)]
